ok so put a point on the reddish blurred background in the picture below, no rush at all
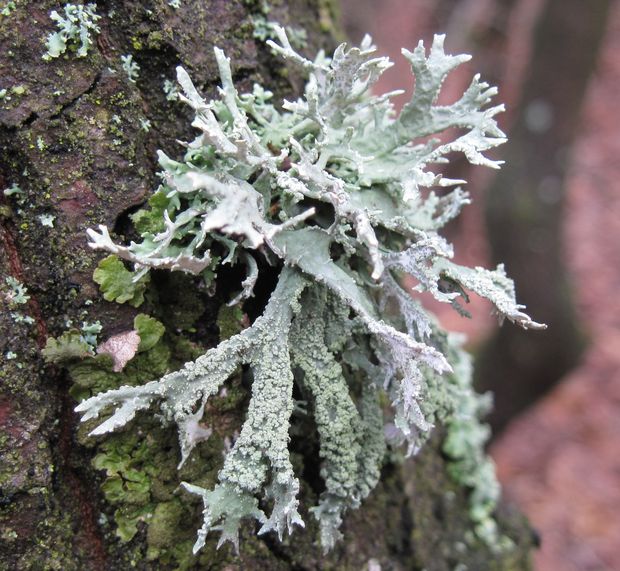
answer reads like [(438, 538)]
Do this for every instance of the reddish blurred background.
[(553, 216)]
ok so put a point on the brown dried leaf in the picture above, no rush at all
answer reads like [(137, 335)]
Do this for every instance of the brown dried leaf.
[(121, 348)]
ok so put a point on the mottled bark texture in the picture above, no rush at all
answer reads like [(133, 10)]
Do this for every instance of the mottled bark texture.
[(525, 208), (71, 137)]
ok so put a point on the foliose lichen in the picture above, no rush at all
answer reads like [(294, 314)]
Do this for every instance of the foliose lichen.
[(130, 67), (334, 190), (77, 26)]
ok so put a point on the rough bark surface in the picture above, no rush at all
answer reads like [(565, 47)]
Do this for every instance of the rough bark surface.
[(70, 137)]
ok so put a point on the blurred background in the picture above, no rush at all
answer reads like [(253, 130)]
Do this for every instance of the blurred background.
[(552, 215)]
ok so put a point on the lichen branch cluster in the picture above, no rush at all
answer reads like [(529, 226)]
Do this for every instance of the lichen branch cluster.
[(334, 188)]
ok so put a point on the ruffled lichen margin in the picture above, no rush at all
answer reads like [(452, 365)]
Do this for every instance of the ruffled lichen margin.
[(334, 190)]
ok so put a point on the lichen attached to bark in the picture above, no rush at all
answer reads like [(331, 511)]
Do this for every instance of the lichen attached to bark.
[(333, 188)]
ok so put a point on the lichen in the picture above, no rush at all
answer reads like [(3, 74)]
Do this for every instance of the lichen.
[(334, 190), (171, 90), (14, 292), (130, 67), (75, 27), (264, 29), (9, 6)]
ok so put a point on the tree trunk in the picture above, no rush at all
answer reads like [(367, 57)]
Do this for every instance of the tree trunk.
[(525, 208), (74, 138)]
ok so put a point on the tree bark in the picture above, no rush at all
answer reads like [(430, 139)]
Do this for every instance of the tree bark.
[(525, 208), (72, 137)]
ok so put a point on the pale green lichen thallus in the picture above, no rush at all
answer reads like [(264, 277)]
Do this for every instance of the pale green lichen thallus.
[(335, 189)]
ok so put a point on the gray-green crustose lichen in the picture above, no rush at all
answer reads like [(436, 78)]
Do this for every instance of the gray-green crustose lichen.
[(335, 190)]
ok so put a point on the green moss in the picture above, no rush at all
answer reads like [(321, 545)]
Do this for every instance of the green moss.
[(179, 304), (91, 376), (155, 40), (151, 219), (149, 329), (67, 347), (166, 519), (140, 483), (139, 468), (117, 282), (230, 320)]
